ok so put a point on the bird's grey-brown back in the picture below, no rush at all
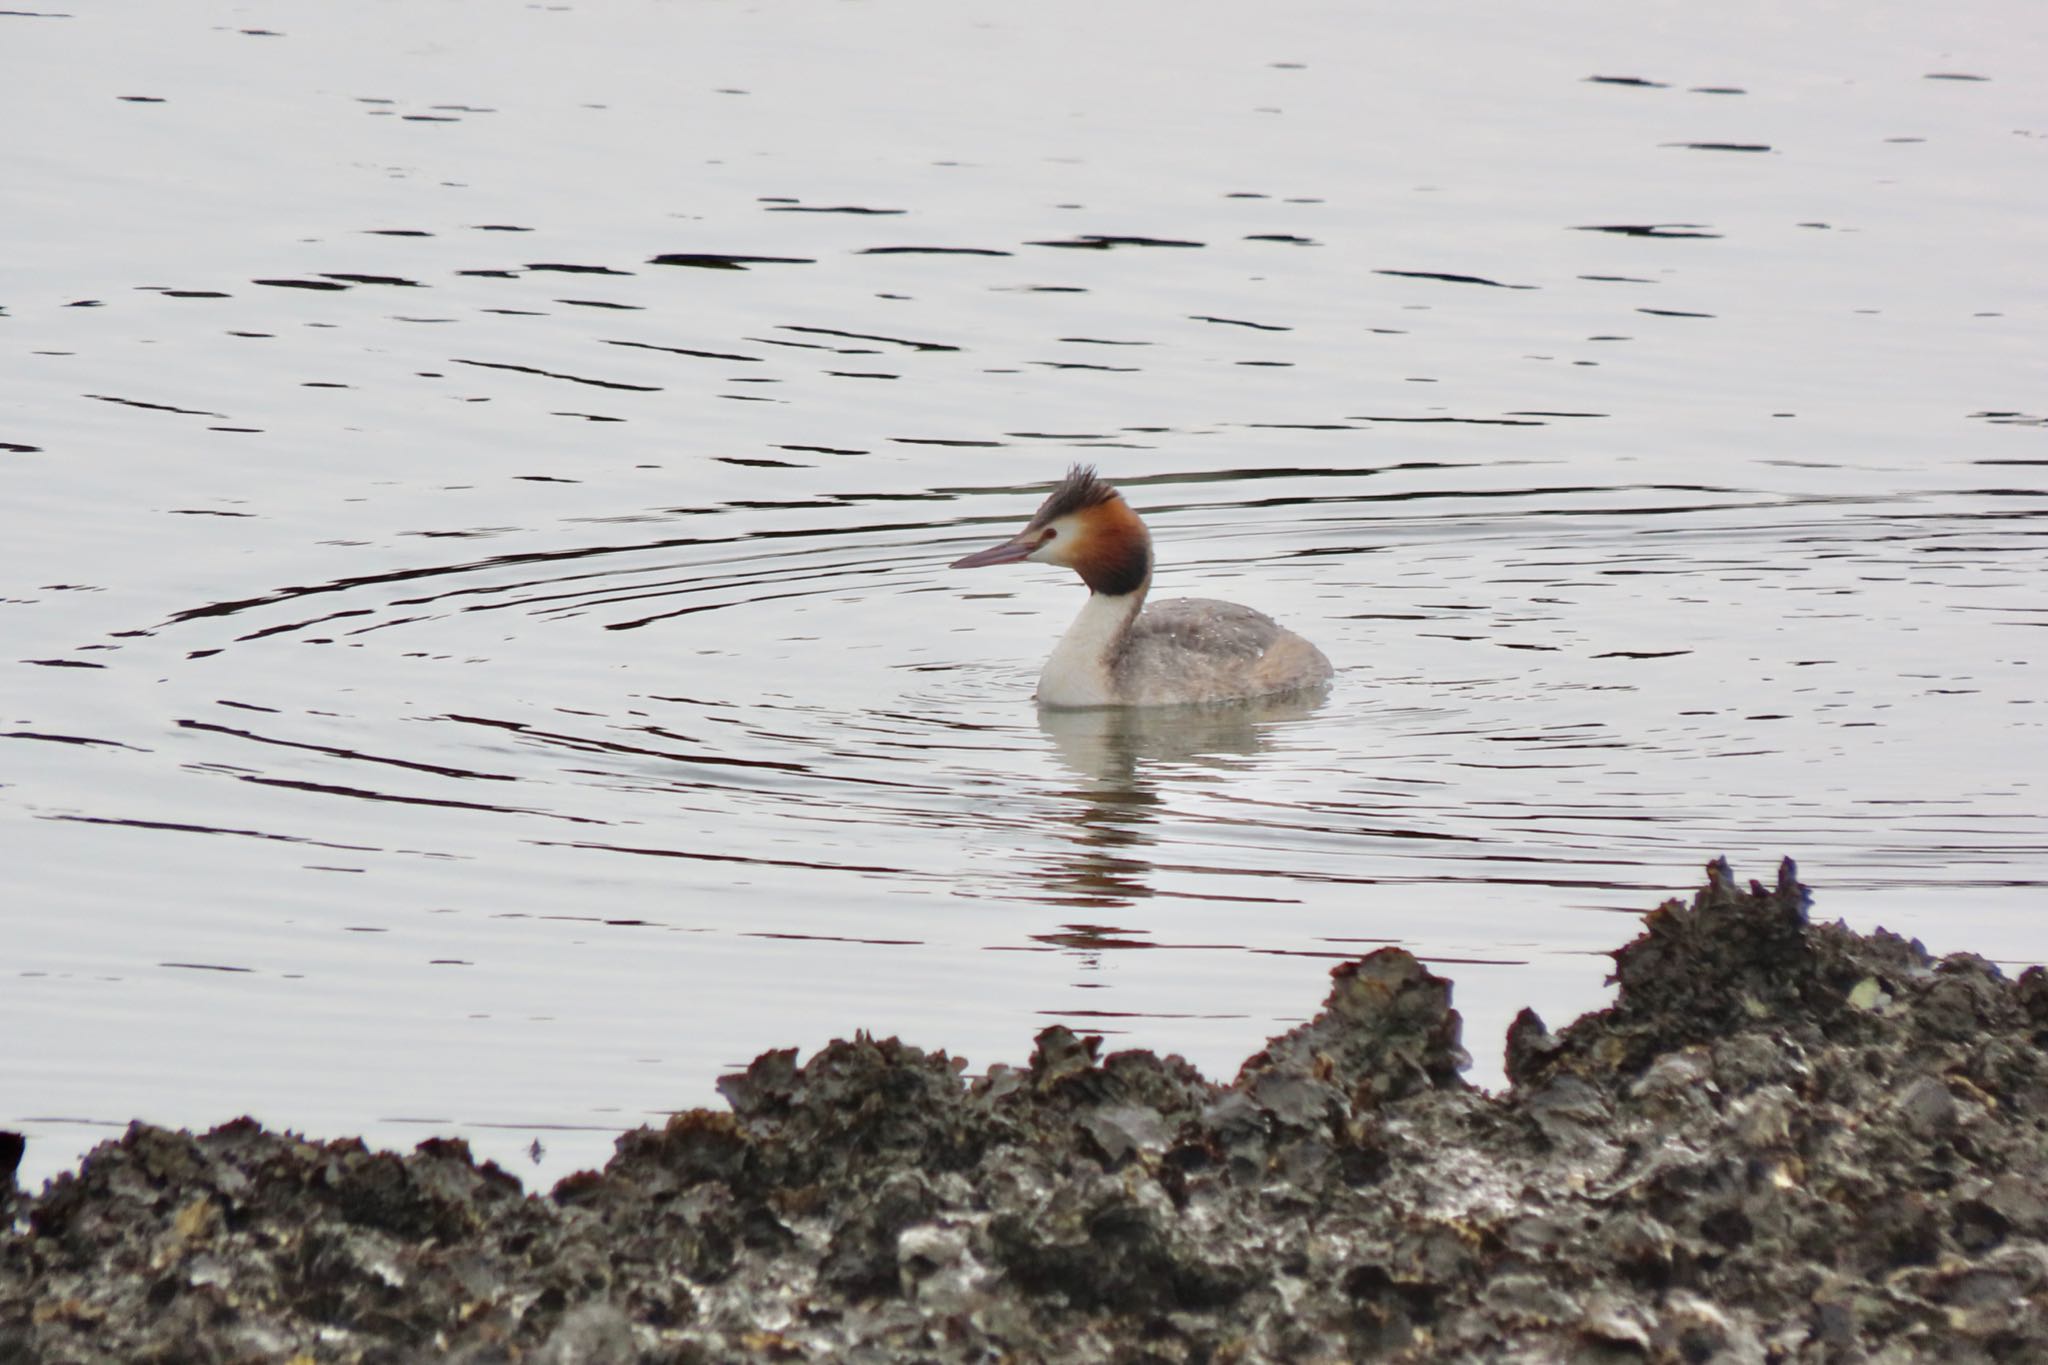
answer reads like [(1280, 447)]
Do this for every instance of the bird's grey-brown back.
[(1195, 649)]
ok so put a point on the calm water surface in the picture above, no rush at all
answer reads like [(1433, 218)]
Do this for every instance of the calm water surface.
[(475, 487)]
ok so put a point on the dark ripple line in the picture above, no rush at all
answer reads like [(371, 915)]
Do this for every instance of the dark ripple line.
[(860, 210), (1084, 365), (720, 606), (338, 752), (178, 827), (601, 596), (582, 744), (157, 407), (932, 251), (354, 581), (711, 260), (448, 803), (347, 277), (70, 739), (1094, 241), (1661, 230), (1451, 278), (869, 336), (1431, 421), (836, 938), (698, 855), (553, 374), (685, 350), (290, 626), (1240, 322)]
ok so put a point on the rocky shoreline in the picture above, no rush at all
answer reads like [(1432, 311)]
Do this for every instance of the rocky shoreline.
[(1784, 1142)]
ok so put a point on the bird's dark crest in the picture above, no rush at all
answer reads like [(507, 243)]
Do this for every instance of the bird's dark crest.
[(1081, 489)]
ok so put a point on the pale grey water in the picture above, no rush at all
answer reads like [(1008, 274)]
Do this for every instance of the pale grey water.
[(462, 673)]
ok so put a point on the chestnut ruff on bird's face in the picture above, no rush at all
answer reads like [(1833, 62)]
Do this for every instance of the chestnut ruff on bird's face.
[(1085, 525)]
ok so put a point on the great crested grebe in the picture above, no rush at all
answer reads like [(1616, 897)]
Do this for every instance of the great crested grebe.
[(1118, 652)]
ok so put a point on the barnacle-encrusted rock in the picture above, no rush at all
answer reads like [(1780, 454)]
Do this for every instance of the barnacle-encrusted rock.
[(1783, 1142)]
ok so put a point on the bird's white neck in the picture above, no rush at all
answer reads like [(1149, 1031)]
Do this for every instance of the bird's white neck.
[(1080, 673)]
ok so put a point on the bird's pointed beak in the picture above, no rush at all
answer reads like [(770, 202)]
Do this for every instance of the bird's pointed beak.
[(1012, 551)]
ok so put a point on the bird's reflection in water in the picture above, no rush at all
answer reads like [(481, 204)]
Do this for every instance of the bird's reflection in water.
[(1127, 761)]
